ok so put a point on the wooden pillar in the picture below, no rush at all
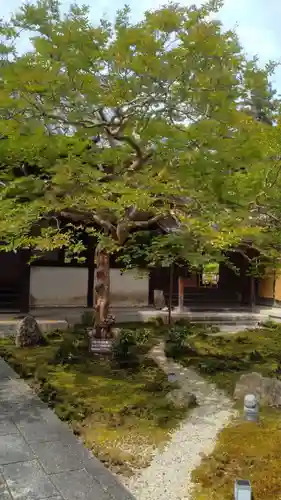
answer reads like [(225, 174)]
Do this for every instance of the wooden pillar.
[(252, 291), (25, 281), (91, 272), (181, 294), (150, 289), (274, 285), (171, 279)]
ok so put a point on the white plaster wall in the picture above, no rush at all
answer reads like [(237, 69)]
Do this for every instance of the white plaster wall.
[(128, 289), (58, 286)]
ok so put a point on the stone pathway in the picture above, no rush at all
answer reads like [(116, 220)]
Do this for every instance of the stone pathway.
[(169, 474), (40, 458)]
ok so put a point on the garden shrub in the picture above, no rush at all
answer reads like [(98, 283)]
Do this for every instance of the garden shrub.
[(124, 349), (131, 345), (71, 348), (255, 356), (157, 321), (211, 366), (176, 339), (183, 322), (270, 324)]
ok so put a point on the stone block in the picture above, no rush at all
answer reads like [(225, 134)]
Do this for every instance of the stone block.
[(79, 485), (58, 456), (28, 481), (14, 448)]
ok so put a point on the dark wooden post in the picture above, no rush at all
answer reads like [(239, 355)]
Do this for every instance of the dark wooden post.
[(25, 281), (252, 292), (181, 294), (91, 272), (171, 283), (274, 285), (150, 289)]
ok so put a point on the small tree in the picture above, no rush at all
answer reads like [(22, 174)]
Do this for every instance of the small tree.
[(118, 127)]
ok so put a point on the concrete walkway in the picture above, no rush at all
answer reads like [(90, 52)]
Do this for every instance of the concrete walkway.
[(40, 458)]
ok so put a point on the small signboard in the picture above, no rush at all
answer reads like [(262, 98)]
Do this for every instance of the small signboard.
[(101, 345)]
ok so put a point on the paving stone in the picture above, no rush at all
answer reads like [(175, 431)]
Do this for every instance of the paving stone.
[(7, 426), (108, 481), (49, 498), (15, 390), (58, 456), (43, 430), (28, 481), (79, 485), (13, 448), (30, 409)]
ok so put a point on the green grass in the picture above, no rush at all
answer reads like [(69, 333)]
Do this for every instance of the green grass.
[(117, 411), (243, 450)]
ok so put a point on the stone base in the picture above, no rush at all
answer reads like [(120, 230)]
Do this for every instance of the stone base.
[(101, 346)]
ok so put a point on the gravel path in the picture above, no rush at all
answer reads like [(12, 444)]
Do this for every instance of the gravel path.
[(168, 476)]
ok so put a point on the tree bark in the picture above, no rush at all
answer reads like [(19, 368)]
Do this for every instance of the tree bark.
[(102, 292)]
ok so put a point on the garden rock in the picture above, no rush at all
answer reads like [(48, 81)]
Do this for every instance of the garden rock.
[(267, 390), (180, 399), (159, 299), (28, 332)]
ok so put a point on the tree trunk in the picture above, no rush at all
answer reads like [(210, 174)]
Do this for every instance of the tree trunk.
[(102, 291)]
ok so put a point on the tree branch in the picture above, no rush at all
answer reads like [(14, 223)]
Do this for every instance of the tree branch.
[(89, 218)]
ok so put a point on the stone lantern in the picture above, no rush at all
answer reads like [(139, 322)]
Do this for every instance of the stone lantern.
[(172, 378), (251, 408)]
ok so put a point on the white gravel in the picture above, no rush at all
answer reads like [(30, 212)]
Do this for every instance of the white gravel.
[(168, 476)]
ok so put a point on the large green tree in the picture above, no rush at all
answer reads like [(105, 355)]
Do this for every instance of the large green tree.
[(120, 126)]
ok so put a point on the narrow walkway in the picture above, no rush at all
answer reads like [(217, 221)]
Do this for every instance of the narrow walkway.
[(40, 458), (169, 474)]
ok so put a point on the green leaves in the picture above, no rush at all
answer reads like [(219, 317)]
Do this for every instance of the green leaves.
[(109, 126)]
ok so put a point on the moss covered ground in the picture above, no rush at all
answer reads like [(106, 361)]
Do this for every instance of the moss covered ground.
[(120, 411), (224, 358)]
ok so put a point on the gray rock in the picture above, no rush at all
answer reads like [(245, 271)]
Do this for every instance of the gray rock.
[(159, 299), (181, 399), (28, 332), (267, 390)]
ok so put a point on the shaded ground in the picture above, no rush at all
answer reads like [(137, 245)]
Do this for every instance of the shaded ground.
[(120, 412)]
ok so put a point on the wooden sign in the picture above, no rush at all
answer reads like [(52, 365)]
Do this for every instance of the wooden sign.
[(101, 346)]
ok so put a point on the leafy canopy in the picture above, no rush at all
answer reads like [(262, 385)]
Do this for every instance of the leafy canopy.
[(124, 126)]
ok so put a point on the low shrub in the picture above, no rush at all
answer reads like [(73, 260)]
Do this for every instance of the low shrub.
[(124, 350), (157, 321), (211, 366), (270, 324), (176, 339)]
